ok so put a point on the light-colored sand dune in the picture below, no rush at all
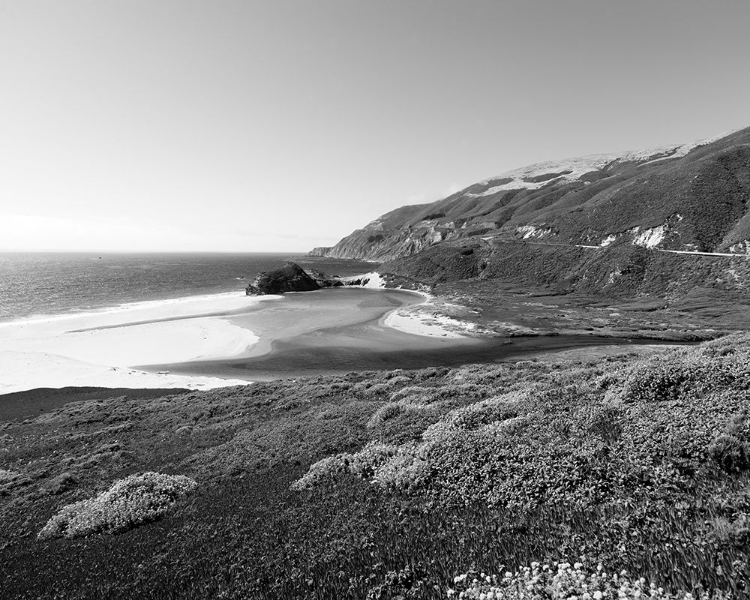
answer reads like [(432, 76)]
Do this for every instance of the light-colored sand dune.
[(432, 318), (95, 349), (28, 370), (127, 345), (420, 323), (109, 348)]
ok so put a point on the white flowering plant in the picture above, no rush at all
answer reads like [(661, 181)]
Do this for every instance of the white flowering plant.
[(564, 581), (130, 502)]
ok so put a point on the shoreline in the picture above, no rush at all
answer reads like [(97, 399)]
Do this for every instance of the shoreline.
[(300, 358), (223, 340), (32, 402), (99, 348), (118, 347)]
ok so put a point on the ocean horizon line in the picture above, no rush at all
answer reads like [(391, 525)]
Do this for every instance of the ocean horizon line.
[(120, 252)]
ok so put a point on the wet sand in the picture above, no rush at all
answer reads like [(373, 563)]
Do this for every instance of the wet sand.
[(105, 348), (372, 345), (229, 340), (323, 332), (306, 316)]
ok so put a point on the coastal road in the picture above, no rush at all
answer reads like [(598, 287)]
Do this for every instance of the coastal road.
[(688, 252)]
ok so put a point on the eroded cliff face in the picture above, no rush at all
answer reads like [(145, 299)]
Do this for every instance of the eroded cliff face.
[(692, 197), (376, 243), (384, 238)]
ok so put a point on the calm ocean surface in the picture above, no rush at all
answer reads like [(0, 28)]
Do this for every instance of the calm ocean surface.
[(42, 284)]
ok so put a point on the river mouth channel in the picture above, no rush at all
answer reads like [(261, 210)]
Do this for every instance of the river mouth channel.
[(299, 338)]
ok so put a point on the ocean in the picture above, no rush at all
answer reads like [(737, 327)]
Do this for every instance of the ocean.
[(43, 284), (182, 320)]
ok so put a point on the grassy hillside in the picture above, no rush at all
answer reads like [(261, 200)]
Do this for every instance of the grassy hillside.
[(612, 272), (393, 484), (692, 200)]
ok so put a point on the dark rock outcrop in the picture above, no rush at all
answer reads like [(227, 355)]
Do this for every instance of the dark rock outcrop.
[(293, 278), (290, 278), (324, 280)]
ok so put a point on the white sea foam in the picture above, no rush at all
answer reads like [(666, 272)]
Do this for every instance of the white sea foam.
[(375, 281), (169, 307)]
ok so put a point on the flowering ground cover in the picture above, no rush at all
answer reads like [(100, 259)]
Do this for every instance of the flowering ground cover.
[(561, 580), (404, 484), (130, 502)]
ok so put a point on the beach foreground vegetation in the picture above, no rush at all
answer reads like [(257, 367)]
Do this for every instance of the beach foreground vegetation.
[(130, 502), (401, 484)]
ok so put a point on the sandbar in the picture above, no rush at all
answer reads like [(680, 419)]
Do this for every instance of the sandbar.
[(99, 348), (232, 339), (124, 346)]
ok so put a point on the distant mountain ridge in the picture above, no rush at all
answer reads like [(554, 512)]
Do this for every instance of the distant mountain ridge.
[(692, 197)]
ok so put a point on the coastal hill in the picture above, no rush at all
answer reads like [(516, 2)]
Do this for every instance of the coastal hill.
[(385, 485), (693, 197), (579, 472)]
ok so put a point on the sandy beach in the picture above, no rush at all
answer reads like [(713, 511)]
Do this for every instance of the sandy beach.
[(119, 347), (214, 341), (98, 348)]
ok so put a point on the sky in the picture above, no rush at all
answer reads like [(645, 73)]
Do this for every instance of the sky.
[(280, 125)]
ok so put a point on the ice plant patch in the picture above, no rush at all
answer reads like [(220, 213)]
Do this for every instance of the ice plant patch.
[(130, 502)]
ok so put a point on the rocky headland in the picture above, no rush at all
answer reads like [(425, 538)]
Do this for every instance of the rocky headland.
[(599, 474), (289, 278), (652, 243), (293, 278)]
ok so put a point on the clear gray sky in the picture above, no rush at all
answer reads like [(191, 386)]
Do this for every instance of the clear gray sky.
[(282, 125)]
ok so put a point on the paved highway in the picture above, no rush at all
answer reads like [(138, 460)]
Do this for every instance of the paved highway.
[(691, 253)]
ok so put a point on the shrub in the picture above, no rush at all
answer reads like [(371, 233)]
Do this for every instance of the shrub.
[(739, 425), (417, 400), (377, 388), (655, 383), (404, 584), (130, 502), (728, 532), (411, 391), (363, 464), (406, 470), (385, 413), (430, 373), (325, 468), (395, 378), (607, 423), (470, 391), (10, 480), (482, 413), (7, 476), (61, 483), (731, 453), (402, 421), (694, 372)]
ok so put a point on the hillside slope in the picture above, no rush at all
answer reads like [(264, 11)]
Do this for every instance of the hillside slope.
[(692, 197), (616, 271), (383, 485)]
